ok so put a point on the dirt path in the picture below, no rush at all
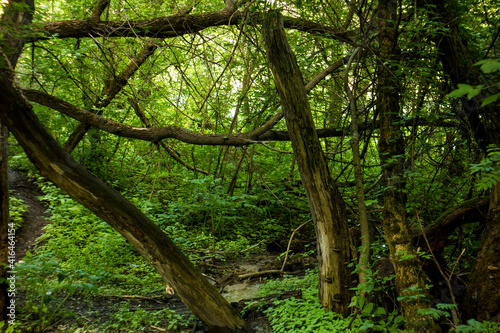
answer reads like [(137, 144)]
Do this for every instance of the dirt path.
[(34, 218)]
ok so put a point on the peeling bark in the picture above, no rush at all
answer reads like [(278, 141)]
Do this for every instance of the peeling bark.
[(325, 201)]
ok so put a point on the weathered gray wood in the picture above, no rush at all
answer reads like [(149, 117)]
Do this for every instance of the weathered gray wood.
[(325, 201)]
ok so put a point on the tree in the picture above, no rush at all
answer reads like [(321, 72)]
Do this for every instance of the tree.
[(410, 280), (327, 205), (185, 77)]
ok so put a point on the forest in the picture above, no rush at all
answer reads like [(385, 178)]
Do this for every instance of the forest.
[(250, 166)]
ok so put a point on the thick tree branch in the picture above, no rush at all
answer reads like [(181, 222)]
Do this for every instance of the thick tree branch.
[(153, 134), (176, 25), (98, 10), (173, 154), (470, 211)]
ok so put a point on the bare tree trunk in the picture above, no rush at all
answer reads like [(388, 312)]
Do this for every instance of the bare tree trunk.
[(410, 279), (153, 244), (325, 201), (364, 255)]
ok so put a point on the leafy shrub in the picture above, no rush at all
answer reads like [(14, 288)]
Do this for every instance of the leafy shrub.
[(127, 319), (304, 314), (17, 208), (42, 278), (488, 170)]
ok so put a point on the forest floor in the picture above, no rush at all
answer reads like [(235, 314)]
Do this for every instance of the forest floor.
[(83, 314)]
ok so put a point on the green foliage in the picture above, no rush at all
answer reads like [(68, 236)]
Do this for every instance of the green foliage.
[(476, 326), (487, 66), (241, 218), (441, 311), (127, 319), (374, 316), (17, 208), (7, 328), (488, 170), (304, 314), (80, 240), (42, 278)]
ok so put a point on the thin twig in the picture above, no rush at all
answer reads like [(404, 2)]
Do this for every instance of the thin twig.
[(290, 242), (275, 271), (136, 297), (446, 278), (253, 246)]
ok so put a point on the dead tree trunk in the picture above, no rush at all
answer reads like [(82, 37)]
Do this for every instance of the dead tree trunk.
[(325, 201), (153, 244)]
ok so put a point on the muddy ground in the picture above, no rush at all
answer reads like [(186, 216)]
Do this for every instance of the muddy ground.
[(83, 313)]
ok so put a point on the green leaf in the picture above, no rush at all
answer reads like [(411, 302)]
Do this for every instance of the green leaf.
[(489, 65), (475, 91), (490, 99), (380, 311), (72, 288), (368, 309), (61, 276), (460, 91)]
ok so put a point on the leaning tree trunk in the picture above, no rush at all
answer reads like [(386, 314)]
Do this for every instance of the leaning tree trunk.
[(410, 279), (325, 201), (152, 243)]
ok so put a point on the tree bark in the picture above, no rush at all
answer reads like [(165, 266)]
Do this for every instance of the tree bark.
[(14, 25), (483, 294), (470, 211), (154, 245), (175, 26), (4, 220), (410, 279), (325, 201)]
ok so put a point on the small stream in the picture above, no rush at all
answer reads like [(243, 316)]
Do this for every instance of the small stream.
[(239, 291)]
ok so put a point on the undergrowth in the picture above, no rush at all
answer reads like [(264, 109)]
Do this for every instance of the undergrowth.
[(304, 314)]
